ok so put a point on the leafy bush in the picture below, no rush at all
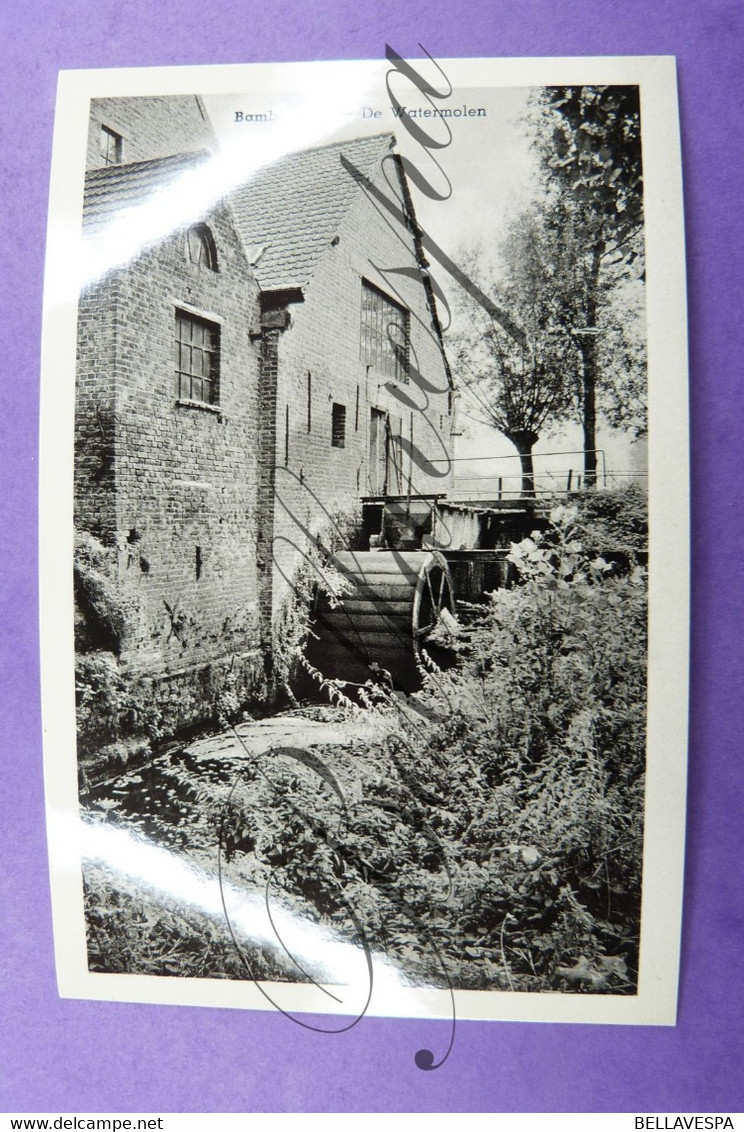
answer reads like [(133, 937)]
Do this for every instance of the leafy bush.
[(111, 706), (549, 704), (613, 520), (121, 714), (101, 611)]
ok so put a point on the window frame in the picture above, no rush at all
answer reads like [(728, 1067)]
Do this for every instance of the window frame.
[(338, 425), (200, 327), (377, 348), (118, 141)]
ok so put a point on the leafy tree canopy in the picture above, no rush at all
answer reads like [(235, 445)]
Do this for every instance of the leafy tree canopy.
[(589, 140)]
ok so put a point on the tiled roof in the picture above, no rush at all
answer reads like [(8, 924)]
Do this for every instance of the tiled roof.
[(289, 211), (115, 188)]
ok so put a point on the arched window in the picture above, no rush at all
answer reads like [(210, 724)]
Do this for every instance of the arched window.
[(201, 247)]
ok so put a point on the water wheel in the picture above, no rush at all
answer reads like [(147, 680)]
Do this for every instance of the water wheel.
[(397, 606)]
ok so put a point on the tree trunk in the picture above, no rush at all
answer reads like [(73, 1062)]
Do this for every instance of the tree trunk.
[(588, 348), (589, 409), (524, 440)]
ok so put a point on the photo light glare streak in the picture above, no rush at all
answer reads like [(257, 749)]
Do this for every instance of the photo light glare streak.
[(329, 958), (191, 194)]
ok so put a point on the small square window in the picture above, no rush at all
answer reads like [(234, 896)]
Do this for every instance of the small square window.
[(111, 146), (338, 426), (197, 358)]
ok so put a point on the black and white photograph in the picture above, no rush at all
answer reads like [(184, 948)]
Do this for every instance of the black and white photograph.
[(364, 558)]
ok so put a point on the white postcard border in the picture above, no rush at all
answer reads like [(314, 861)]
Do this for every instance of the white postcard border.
[(655, 1003)]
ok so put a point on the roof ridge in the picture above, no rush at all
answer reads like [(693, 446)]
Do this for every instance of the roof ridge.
[(338, 144)]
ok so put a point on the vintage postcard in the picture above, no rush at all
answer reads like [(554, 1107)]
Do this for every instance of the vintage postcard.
[(364, 539)]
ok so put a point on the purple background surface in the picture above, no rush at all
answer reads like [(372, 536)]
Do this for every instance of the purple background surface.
[(67, 1056)]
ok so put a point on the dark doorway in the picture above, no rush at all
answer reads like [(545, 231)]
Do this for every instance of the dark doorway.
[(378, 429)]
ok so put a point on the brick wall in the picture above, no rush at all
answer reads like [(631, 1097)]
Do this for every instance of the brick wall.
[(149, 127), (95, 417), (324, 341), (180, 500)]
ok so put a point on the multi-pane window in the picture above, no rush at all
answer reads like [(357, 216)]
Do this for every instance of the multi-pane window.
[(201, 247), (111, 146), (384, 342), (197, 358), (338, 426)]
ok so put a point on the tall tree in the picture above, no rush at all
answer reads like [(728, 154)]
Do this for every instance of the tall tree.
[(589, 140), (519, 384)]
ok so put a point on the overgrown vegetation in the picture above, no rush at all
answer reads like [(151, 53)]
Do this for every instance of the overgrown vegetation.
[(123, 715), (611, 521), (547, 721), (132, 931), (493, 837), (315, 578)]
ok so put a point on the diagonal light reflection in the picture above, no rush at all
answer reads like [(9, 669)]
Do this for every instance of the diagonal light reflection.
[(320, 952), (189, 196)]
